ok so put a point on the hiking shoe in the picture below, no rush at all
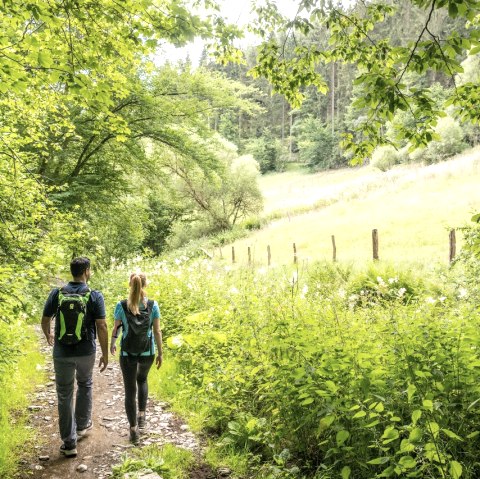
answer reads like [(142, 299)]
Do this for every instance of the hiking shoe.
[(83, 432), (68, 452), (134, 436), (141, 422)]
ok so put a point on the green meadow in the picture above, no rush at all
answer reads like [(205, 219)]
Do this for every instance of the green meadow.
[(413, 208)]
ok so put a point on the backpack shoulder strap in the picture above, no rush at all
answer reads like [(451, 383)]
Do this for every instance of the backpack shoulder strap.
[(124, 306), (150, 306)]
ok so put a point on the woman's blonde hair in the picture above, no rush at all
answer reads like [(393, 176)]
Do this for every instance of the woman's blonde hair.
[(138, 281)]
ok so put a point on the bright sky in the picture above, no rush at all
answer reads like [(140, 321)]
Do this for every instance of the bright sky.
[(235, 11)]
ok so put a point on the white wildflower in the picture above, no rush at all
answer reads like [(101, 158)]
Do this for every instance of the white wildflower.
[(233, 290), (442, 298), (304, 292), (462, 293), (430, 300), (401, 292), (393, 280)]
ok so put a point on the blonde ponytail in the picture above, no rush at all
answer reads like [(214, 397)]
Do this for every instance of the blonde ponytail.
[(137, 292)]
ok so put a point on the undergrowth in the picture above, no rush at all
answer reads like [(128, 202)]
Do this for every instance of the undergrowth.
[(322, 372)]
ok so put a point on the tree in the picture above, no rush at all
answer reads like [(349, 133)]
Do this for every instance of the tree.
[(382, 64), (214, 201), (317, 145)]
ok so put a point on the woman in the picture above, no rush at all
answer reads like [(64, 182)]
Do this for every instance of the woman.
[(137, 316)]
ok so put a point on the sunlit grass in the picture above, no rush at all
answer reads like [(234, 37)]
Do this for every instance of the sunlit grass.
[(165, 385), (218, 457), (412, 209), (15, 386), (169, 461)]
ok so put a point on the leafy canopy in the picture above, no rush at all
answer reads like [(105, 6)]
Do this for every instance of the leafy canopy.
[(355, 36)]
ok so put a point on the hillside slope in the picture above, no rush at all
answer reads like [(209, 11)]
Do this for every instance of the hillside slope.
[(412, 207)]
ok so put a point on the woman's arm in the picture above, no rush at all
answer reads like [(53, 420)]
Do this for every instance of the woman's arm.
[(157, 333), (116, 327)]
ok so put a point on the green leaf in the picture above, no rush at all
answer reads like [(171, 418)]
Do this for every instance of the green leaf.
[(411, 389), (359, 415), (452, 9), (390, 434), (407, 462), (416, 415), (326, 422), (44, 58), (451, 434), (379, 460), (415, 434), (345, 473), (428, 404), (455, 469), (406, 446), (342, 436)]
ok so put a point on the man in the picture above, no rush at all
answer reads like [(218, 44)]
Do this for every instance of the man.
[(76, 356)]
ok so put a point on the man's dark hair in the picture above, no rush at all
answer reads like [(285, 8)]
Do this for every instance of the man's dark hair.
[(78, 266)]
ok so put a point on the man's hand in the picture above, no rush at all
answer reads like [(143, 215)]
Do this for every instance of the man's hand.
[(104, 362), (158, 361), (102, 333), (47, 330)]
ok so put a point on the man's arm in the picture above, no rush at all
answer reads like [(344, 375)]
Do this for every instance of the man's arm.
[(102, 332), (157, 332), (47, 330), (48, 312)]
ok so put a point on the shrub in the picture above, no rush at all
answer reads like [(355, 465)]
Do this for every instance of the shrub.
[(317, 145), (450, 143), (385, 157), (268, 152), (285, 370), (253, 223)]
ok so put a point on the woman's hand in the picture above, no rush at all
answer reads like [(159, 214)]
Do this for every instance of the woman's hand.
[(113, 346), (158, 361)]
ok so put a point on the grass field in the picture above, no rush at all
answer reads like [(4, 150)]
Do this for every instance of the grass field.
[(412, 207)]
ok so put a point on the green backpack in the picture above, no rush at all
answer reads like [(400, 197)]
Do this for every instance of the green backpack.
[(70, 317)]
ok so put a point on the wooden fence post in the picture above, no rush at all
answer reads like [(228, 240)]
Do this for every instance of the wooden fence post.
[(375, 244), (334, 248), (233, 254), (269, 255), (294, 253), (249, 256), (453, 245)]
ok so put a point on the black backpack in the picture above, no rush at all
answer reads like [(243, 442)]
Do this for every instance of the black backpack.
[(71, 315), (137, 340)]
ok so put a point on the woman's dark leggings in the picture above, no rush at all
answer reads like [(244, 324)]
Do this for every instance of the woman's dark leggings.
[(135, 371)]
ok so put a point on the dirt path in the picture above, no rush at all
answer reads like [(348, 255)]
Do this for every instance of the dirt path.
[(108, 441)]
